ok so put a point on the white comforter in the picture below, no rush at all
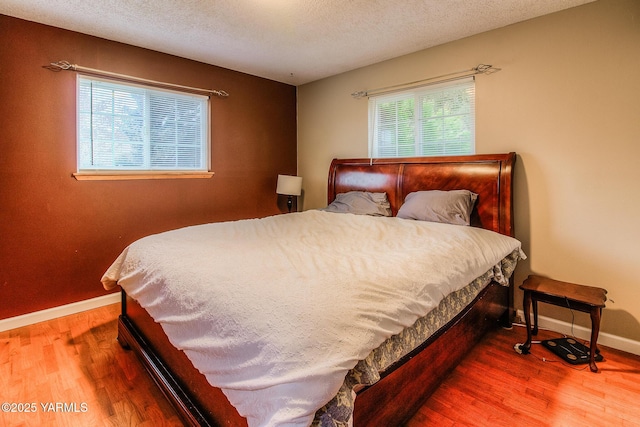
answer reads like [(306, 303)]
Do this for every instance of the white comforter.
[(276, 311)]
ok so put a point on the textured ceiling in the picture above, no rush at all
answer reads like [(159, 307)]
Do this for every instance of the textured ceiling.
[(292, 41)]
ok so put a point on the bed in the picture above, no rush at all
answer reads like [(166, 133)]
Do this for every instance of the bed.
[(397, 390)]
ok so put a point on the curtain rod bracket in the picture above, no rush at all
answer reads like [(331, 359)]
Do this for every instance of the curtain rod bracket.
[(359, 94)]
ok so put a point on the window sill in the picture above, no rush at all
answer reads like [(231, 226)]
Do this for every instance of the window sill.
[(84, 176)]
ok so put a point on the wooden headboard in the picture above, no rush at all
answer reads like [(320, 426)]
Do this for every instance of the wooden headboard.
[(488, 175)]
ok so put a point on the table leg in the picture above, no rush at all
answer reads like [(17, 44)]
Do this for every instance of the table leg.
[(534, 303), (596, 313), (527, 320)]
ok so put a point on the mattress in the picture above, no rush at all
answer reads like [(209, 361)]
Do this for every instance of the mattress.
[(277, 311)]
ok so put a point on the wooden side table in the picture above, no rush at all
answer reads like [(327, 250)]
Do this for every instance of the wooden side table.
[(587, 299)]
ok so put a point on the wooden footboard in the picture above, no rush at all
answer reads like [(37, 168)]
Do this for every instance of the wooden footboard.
[(195, 400), (179, 396)]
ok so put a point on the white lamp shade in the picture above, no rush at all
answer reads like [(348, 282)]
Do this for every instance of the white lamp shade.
[(289, 185)]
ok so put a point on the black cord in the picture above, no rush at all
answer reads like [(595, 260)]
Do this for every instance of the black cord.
[(562, 362), (545, 359), (573, 317)]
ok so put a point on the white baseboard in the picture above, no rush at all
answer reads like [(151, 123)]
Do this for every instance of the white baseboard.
[(55, 312), (609, 340)]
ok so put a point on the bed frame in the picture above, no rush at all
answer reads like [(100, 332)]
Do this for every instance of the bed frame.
[(404, 387)]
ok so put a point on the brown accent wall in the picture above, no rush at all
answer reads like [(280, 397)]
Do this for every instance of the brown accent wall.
[(58, 235)]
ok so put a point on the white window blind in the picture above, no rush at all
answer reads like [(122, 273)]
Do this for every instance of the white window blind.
[(126, 127), (437, 120)]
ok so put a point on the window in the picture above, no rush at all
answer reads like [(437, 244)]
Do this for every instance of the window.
[(127, 127), (437, 120)]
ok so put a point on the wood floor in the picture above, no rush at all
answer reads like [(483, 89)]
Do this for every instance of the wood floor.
[(76, 360), (495, 386), (72, 372)]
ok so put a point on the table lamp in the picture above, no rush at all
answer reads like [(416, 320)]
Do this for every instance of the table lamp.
[(289, 186)]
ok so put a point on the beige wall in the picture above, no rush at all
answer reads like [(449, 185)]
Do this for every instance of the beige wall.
[(566, 101)]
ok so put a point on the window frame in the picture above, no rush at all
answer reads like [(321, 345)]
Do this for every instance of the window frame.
[(203, 171), (413, 136)]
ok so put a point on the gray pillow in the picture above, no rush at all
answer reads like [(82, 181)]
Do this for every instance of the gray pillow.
[(450, 207), (361, 203)]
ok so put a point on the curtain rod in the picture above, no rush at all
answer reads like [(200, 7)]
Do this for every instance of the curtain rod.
[(65, 65), (480, 69)]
